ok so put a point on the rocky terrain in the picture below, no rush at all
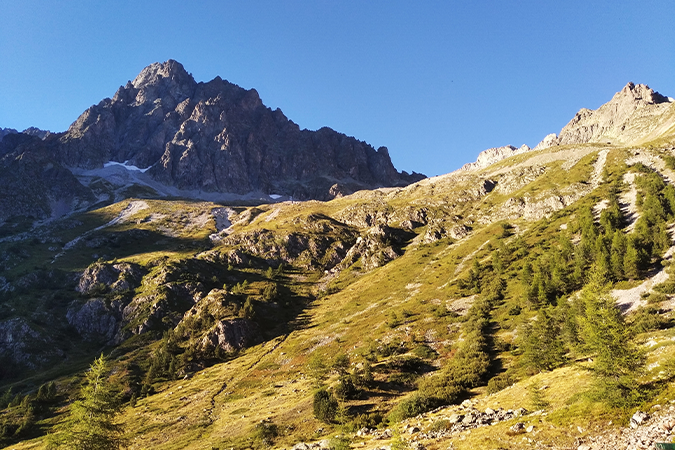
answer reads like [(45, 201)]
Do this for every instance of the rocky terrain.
[(413, 307), (197, 140)]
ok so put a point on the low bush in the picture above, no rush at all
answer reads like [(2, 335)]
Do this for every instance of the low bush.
[(325, 406), (410, 407)]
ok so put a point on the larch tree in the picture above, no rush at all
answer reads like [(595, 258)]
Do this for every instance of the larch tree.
[(91, 424)]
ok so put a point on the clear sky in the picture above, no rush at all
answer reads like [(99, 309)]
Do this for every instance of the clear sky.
[(434, 81)]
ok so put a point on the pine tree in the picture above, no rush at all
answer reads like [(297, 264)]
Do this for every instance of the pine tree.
[(617, 253), (635, 260), (543, 348), (325, 406), (91, 424), (617, 359)]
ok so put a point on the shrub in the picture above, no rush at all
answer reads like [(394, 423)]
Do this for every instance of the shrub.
[(340, 363), (424, 351), (345, 389), (648, 319), (500, 382), (440, 425), (441, 389), (339, 443), (265, 433), (666, 288), (411, 407), (325, 406)]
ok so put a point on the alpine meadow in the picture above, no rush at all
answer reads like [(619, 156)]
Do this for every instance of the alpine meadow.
[(185, 268)]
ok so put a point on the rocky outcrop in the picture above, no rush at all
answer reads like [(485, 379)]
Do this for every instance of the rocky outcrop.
[(110, 277), (24, 346), (95, 320), (493, 155), (34, 183), (231, 335), (376, 247), (162, 309), (635, 114), (218, 137), (322, 243)]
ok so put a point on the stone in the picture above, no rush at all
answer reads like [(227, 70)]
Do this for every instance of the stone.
[(639, 418), (517, 428), (455, 418), (469, 418)]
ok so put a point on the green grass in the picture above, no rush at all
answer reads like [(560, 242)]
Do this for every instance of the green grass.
[(353, 313)]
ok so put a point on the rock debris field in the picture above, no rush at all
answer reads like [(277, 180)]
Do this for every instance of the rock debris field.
[(643, 432)]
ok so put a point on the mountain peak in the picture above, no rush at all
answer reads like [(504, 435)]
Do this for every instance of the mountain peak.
[(156, 72), (635, 114), (638, 93)]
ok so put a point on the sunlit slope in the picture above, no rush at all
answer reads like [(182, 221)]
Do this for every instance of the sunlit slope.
[(387, 278)]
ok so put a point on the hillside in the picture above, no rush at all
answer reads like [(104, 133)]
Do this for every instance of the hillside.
[(427, 311)]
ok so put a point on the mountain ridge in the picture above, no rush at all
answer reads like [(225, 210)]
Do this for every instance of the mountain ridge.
[(204, 140), (619, 121), (218, 137)]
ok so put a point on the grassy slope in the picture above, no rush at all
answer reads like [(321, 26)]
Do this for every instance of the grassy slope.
[(220, 404)]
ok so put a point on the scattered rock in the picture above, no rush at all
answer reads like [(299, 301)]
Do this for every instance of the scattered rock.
[(639, 418), (517, 428)]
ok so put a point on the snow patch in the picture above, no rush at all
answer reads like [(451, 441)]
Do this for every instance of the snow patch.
[(275, 196), (126, 166)]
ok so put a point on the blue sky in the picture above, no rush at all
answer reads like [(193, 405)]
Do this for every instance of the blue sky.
[(434, 81)]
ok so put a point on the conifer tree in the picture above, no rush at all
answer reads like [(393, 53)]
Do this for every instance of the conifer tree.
[(543, 348), (617, 254), (634, 260), (91, 424), (617, 360)]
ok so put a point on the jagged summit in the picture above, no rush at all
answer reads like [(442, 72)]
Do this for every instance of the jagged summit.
[(634, 115), (211, 140), (219, 137), (640, 93), (157, 72)]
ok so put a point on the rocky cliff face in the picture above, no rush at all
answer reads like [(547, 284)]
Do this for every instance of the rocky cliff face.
[(493, 155), (34, 183), (635, 114), (218, 137)]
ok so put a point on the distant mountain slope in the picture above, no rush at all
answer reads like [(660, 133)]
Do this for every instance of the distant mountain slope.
[(164, 134), (635, 115), (218, 137)]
